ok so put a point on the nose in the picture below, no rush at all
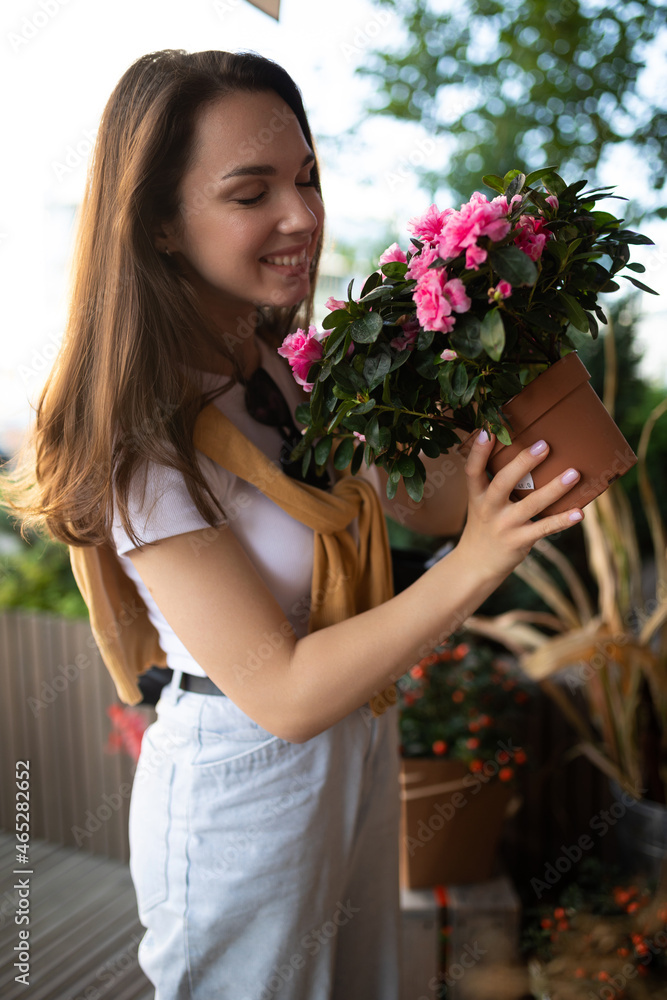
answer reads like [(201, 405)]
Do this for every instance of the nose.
[(297, 216)]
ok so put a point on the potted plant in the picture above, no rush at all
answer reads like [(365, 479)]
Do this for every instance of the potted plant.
[(604, 937), (445, 334), (609, 654), (461, 709)]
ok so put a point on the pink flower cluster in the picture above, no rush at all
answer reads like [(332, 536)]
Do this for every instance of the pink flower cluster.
[(447, 234), (302, 350)]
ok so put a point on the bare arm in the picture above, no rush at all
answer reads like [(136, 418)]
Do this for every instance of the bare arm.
[(219, 607)]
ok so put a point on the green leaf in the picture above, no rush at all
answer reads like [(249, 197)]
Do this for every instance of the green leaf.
[(516, 182), (344, 453), (405, 465), (639, 268), (513, 265), (465, 337), (376, 366), (537, 175), (364, 407), (553, 182), (347, 379), (372, 281), (302, 413), (334, 339), (460, 379), (425, 339), (349, 290), (430, 448), (391, 488), (414, 486), (381, 292), (323, 450), (423, 364), (470, 391), (366, 329), (357, 459), (574, 311), (503, 435), (399, 359), (492, 334), (372, 433), (494, 182), (627, 236), (638, 284), (333, 319), (394, 269)]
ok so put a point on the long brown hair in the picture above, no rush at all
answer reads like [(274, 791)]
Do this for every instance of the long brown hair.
[(118, 394)]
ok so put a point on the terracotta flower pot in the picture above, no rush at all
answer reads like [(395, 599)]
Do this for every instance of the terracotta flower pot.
[(562, 408), (451, 821)]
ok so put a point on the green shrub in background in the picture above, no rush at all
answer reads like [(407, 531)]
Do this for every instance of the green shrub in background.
[(36, 574)]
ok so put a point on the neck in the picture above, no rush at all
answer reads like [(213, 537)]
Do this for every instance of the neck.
[(235, 324)]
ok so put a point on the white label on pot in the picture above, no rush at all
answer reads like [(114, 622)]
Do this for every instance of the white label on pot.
[(526, 483)]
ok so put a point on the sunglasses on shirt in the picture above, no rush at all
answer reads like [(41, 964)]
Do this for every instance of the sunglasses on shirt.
[(266, 404)]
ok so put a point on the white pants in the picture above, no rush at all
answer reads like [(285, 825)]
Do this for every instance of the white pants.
[(265, 869)]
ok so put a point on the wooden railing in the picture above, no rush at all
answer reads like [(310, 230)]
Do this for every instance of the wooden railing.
[(55, 694)]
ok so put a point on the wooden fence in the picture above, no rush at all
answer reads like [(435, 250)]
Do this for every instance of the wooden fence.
[(55, 695)]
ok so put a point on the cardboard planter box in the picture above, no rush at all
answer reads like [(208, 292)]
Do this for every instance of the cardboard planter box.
[(451, 821)]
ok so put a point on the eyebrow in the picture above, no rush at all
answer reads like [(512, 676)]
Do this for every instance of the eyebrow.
[(262, 169)]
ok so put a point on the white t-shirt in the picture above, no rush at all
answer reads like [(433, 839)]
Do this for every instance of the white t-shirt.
[(280, 547)]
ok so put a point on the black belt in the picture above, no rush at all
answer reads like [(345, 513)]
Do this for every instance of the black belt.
[(200, 685)]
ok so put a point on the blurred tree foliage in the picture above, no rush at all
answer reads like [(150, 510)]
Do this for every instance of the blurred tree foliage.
[(526, 83), (36, 574)]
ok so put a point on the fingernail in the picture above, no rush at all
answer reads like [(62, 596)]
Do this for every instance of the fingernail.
[(575, 516), (569, 477), (482, 437), (538, 448)]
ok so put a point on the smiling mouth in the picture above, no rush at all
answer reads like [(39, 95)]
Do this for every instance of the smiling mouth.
[(293, 260)]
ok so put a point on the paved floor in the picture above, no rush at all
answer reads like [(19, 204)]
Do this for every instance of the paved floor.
[(84, 928)]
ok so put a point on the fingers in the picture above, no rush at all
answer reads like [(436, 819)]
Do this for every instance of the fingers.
[(478, 480), (505, 481), (557, 522)]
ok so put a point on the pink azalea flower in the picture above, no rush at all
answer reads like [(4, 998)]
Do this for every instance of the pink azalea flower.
[(478, 218), (436, 298), (503, 290), (428, 226), (360, 437), (449, 355), (552, 200), (420, 263), (332, 303), (302, 350), (530, 238), (475, 256), (393, 253), (408, 338), (501, 200), (455, 292)]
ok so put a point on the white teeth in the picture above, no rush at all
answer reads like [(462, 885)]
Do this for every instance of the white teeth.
[(287, 261)]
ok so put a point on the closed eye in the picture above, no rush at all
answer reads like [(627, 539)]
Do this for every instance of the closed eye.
[(250, 201)]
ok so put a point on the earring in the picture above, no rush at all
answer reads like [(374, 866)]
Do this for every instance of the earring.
[(168, 252)]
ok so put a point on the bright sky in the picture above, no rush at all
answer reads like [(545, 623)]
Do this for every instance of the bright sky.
[(61, 59)]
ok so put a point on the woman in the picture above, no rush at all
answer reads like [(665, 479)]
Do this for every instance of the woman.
[(263, 824)]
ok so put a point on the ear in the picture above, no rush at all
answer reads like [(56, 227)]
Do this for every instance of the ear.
[(164, 238)]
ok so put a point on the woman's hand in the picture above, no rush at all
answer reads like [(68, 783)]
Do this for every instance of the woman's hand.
[(499, 533)]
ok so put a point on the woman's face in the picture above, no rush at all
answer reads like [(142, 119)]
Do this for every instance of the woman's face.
[(249, 217)]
